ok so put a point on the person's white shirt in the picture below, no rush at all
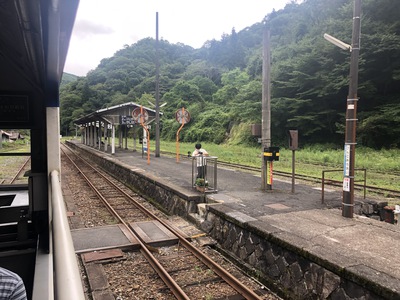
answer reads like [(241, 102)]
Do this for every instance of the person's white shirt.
[(200, 154)]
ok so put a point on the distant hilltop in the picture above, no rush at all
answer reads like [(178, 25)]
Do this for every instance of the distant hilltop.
[(67, 78)]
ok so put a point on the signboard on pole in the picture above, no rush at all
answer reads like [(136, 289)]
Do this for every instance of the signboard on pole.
[(346, 184), (346, 168), (126, 120), (140, 115), (182, 116), (144, 144)]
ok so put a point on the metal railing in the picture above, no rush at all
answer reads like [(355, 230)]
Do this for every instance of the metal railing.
[(68, 284), (205, 167), (335, 182)]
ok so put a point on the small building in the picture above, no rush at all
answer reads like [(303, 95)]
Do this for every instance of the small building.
[(5, 136), (11, 136), (16, 136)]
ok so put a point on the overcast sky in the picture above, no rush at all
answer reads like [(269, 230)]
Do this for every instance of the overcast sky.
[(102, 27)]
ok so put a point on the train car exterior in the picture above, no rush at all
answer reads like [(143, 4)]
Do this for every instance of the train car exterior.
[(34, 40)]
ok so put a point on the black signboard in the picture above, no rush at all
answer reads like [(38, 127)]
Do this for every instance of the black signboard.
[(14, 108), (126, 120)]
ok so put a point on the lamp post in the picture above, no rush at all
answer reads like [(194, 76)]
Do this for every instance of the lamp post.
[(266, 109), (351, 112), (157, 105)]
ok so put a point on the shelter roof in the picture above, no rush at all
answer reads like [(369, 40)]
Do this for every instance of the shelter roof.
[(2, 132), (34, 40), (113, 114)]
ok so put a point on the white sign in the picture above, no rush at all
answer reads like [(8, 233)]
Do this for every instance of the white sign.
[(144, 141), (346, 163), (346, 184)]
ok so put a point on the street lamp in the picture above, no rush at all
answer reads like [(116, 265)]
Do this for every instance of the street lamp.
[(337, 42), (351, 112)]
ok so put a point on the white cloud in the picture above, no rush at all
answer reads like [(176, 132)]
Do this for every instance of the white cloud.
[(103, 27)]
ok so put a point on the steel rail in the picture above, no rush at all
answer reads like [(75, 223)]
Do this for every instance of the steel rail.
[(221, 272), (226, 276), (19, 171), (315, 179), (381, 191), (167, 279)]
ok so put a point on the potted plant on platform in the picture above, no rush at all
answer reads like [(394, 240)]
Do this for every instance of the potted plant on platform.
[(201, 184)]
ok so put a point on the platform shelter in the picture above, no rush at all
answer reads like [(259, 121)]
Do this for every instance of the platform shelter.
[(99, 128)]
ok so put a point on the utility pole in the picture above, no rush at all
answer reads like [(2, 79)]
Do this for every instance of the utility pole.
[(266, 107), (157, 152), (351, 117)]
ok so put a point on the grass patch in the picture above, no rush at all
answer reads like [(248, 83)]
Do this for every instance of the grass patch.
[(19, 146), (10, 164)]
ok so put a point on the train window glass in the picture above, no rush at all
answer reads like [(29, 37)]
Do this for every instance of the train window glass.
[(15, 152)]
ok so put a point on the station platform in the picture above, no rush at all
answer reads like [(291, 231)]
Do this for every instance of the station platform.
[(358, 246)]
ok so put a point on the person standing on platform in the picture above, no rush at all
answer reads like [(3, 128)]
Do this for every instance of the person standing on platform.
[(200, 154), (11, 286)]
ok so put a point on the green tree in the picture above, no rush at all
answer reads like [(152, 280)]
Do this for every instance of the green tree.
[(309, 77)]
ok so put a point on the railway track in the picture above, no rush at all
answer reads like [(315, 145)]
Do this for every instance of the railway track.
[(317, 180), (187, 272), (14, 168), (310, 179), (18, 177)]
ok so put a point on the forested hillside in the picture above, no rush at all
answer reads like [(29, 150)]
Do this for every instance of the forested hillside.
[(67, 78), (221, 83)]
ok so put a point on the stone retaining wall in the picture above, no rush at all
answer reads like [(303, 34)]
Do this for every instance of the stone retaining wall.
[(164, 195), (283, 266)]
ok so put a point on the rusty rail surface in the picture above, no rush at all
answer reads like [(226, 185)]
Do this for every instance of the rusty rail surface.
[(337, 183)]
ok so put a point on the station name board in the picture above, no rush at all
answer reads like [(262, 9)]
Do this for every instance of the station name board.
[(14, 108), (126, 120)]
